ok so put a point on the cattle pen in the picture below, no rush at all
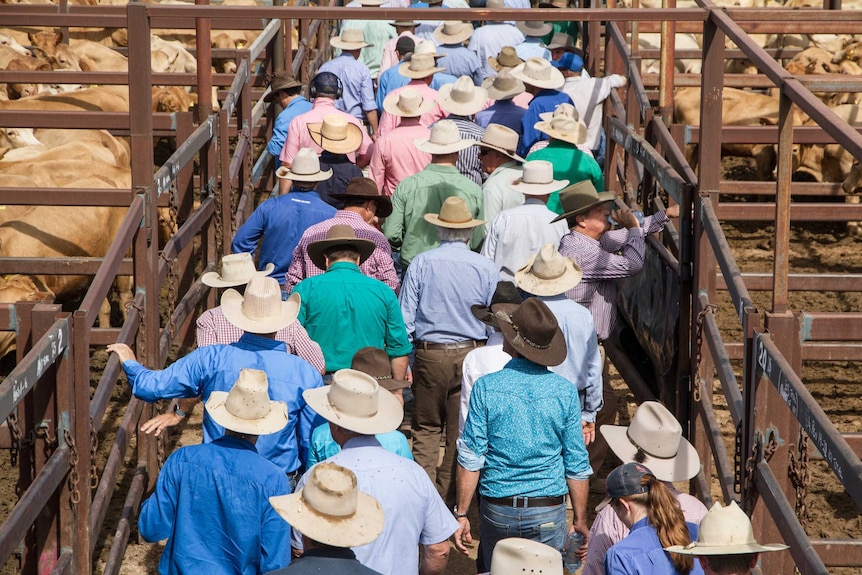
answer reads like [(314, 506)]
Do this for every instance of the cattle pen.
[(54, 401)]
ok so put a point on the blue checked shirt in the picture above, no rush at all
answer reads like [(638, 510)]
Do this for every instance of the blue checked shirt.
[(358, 96)]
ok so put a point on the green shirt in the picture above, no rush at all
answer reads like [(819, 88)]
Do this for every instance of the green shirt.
[(424, 193), (344, 310), (571, 164)]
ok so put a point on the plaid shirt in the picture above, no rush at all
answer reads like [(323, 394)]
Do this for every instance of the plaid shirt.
[(213, 328)]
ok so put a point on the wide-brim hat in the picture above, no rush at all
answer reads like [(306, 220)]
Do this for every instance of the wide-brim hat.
[(560, 40), (581, 197), (565, 129), (502, 139), (506, 58), (503, 86), (339, 235), (279, 83), (376, 363), (538, 72), (419, 66), (404, 23), (331, 510), (454, 214), (336, 135), (462, 98), (454, 32), (535, 29), (247, 408), (725, 531), (350, 39), (537, 179), (654, 438), (365, 189), (236, 270), (305, 168), (444, 139), (354, 401), (548, 273), (407, 103), (534, 332), (260, 310), (506, 298), (516, 556)]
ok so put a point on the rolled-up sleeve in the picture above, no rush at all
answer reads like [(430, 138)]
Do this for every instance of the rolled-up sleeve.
[(473, 443), (576, 460)]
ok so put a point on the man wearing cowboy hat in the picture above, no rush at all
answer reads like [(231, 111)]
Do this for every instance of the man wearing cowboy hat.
[(439, 289), (207, 532), (655, 439), (357, 98), (543, 81), (420, 70), (450, 38), (260, 313), (517, 233), (407, 230), (522, 444), (503, 88), (376, 33), (362, 204), (392, 55), (332, 515), (357, 408), (392, 79), (286, 91), (278, 223), (488, 39), (503, 166), (461, 100), (725, 542), (338, 138), (532, 46)]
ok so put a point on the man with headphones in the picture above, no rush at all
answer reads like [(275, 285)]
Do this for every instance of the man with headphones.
[(325, 89)]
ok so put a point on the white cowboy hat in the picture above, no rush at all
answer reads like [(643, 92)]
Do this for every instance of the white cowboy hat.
[(419, 66), (725, 531), (503, 86), (538, 179), (454, 214), (462, 98), (305, 168), (350, 39), (654, 438), (548, 273), (564, 129), (516, 556), (539, 72), (407, 103), (331, 510), (335, 134), (455, 32), (560, 40), (502, 139), (427, 47), (535, 29), (236, 270), (564, 110), (444, 139), (247, 408), (354, 401), (260, 310)]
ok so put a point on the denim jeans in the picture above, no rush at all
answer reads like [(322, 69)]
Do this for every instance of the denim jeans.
[(543, 524)]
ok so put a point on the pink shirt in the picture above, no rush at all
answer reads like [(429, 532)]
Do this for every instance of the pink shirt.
[(388, 122), (395, 157), (298, 136), (390, 56)]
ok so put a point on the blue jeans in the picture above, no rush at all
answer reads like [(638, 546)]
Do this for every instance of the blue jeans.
[(543, 524)]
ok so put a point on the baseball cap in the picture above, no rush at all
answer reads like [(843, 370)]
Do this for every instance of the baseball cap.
[(569, 61), (624, 481)]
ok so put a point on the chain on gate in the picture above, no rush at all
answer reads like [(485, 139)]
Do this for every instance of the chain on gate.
[(219, 226), (698, 344), (74, 493), (800, 476), (16, 436), (173, 279), (94, 447)]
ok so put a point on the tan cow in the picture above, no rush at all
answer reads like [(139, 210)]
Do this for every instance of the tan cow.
[(173, 99), (13, 289), (99, 98)]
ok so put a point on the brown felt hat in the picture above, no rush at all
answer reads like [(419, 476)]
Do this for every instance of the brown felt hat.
[(375, 362), (339, 235), (506, 298), (534, 332), (366, 189), (281, 82)]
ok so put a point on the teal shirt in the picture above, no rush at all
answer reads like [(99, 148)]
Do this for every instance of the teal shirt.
[(323, 446), (571, 164), (424, 193), (344, 310)]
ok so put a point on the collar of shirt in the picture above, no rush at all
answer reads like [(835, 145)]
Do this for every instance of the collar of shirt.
[(444, 169), (581, 237), (295, 192), (639, 525), (322, 102), (531, 200), (526, 366), (347, 214), (454, 245), (361, 441), (231, 442), (330, 553), (258, 341), (343, 266), (296, 101)]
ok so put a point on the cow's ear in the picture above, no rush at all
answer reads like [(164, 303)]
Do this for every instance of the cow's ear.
[(85, 66), (194, 97), (767, 121)]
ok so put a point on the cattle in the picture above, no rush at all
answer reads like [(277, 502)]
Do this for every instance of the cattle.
[(13, 289), (687, 42), (99, 98), (173, 99), (83, 145)]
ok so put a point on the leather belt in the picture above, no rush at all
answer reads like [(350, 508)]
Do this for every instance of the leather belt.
[(525, 502), (426, 345)]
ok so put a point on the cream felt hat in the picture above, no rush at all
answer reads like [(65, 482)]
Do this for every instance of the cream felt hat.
[(503, 86), (539, 72), (330, 509), (548, 273), (247, 408), (260, 309), (339, 235), (350, 39), (560, 40), (516, 556), (427, 47), (454, 214), (564, 110), (455, 32), (444, 139), (501, 138), (725, 531), (535, 29), (355, 402), (507, 58), (654, 438), (305, 168), (538, 179), (462, 98), (564, 129), (407, 103), (236, 270), (336, 135), (419, 66)]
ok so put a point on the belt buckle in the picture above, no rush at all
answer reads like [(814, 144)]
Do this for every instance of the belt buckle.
[(516, 505)]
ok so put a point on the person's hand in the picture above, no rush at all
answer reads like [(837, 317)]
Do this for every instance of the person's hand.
[(161, 422), (409, 375), (123, 351), (585, 531), (626, 218), (589, 431), (673, 211), (462, 536)]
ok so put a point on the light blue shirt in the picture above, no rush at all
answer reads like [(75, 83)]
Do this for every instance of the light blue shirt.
[(216, 368), (524, 433), (641, 553), (461, 61), (440, 286), (489, 39), (358, 96), (504, 112), (532, 47), (299, 105), (324, 447)]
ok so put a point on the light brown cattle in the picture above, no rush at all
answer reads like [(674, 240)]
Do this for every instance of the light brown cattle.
[(13, 289), (100, 57), (812, 61), (99, 98), (173, 99)]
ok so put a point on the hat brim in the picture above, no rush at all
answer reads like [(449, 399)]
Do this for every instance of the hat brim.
[(391, 384), (494, 94), (577, 138), (681, 467), (231, 306), (496, 65), (506, 153), (389, 414), (390, 105), (341, 45), (535, 32), (404, 23), (694, 548), (555, 354), (426, 145), (316, 250), (484, 313), (538, 189), (404, 70), (555, 82), (535, 285), (363, 527), (349, 144), (444, 99), (603, 198), (213, 279), (459, 38), (286, 174), (435, 220), (384, 203), (275, 420)]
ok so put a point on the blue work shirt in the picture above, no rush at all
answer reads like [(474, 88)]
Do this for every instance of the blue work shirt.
[(544, 101), (641, 553), (299, 105), (392, 79), (211, 503), (504, 112), (461, 61), (523, 432), (532, 47), (280, 221), (324, 447), (358, 94), (216, 368)]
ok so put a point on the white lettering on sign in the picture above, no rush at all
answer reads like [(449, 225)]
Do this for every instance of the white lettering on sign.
[(19, 388)]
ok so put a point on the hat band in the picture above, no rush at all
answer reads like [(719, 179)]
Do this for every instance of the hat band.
[(519, 336), (338, 412), (327, 516), (635, 443), (382, 377)]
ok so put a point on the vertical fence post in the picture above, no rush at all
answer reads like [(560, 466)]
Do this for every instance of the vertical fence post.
[(80, 422)]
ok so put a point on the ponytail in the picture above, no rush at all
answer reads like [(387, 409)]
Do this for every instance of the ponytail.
[(665, 515)]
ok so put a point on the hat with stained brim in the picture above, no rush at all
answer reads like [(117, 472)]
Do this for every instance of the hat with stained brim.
[(247, 408), (236, 270), (564, 129), (350, 39), (506, 58), (537, 179), (445, 138), (354, 402), (581, 197), (725, 531), (419, 66), (305, 168), (336, 135), (535, 29), (260, 309), (366, 189), (503, 86), (548, 273), (532, 330), (454, 214), (538, 72), (502, 139), (453, 32), (404, 23), (339, 235)]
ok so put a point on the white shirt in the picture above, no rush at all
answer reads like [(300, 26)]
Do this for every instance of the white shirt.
[(478, 363), (498, 194), (588, 94)]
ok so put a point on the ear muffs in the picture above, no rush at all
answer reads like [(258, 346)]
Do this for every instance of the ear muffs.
[(339, 91)]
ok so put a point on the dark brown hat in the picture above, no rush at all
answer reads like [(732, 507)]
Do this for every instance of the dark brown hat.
[(506, 298), (281, 82), (339, 235), (375, 362), (533, 331), (366, 189)]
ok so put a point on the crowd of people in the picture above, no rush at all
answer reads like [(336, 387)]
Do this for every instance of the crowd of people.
[(416, 320)]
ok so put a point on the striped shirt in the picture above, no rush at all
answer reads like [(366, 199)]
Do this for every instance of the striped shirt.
[(468, 162)]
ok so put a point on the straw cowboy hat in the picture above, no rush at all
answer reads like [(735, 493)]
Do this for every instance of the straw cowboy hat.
[(654, 438), (427, 47), (537, 179), (503, 86), (353, 401), (404, 23), (564, 110), (454, 214), (444, 139), (305, 168), (350, 39), (339, 235), (560, 40), (564, 129), (516, 556), (535, 29), (502, 139), (236, 270), (330, 509), (260, 310), (725, 531), (507, 58), (581, 197), (366, 189), (419, 66), (453, 32), (375, 362), (281, 82), (533, 331), (336, 135), (506, 298), (549, 273), (538, 72), (407, 103), (247, 408), (462, 98)]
